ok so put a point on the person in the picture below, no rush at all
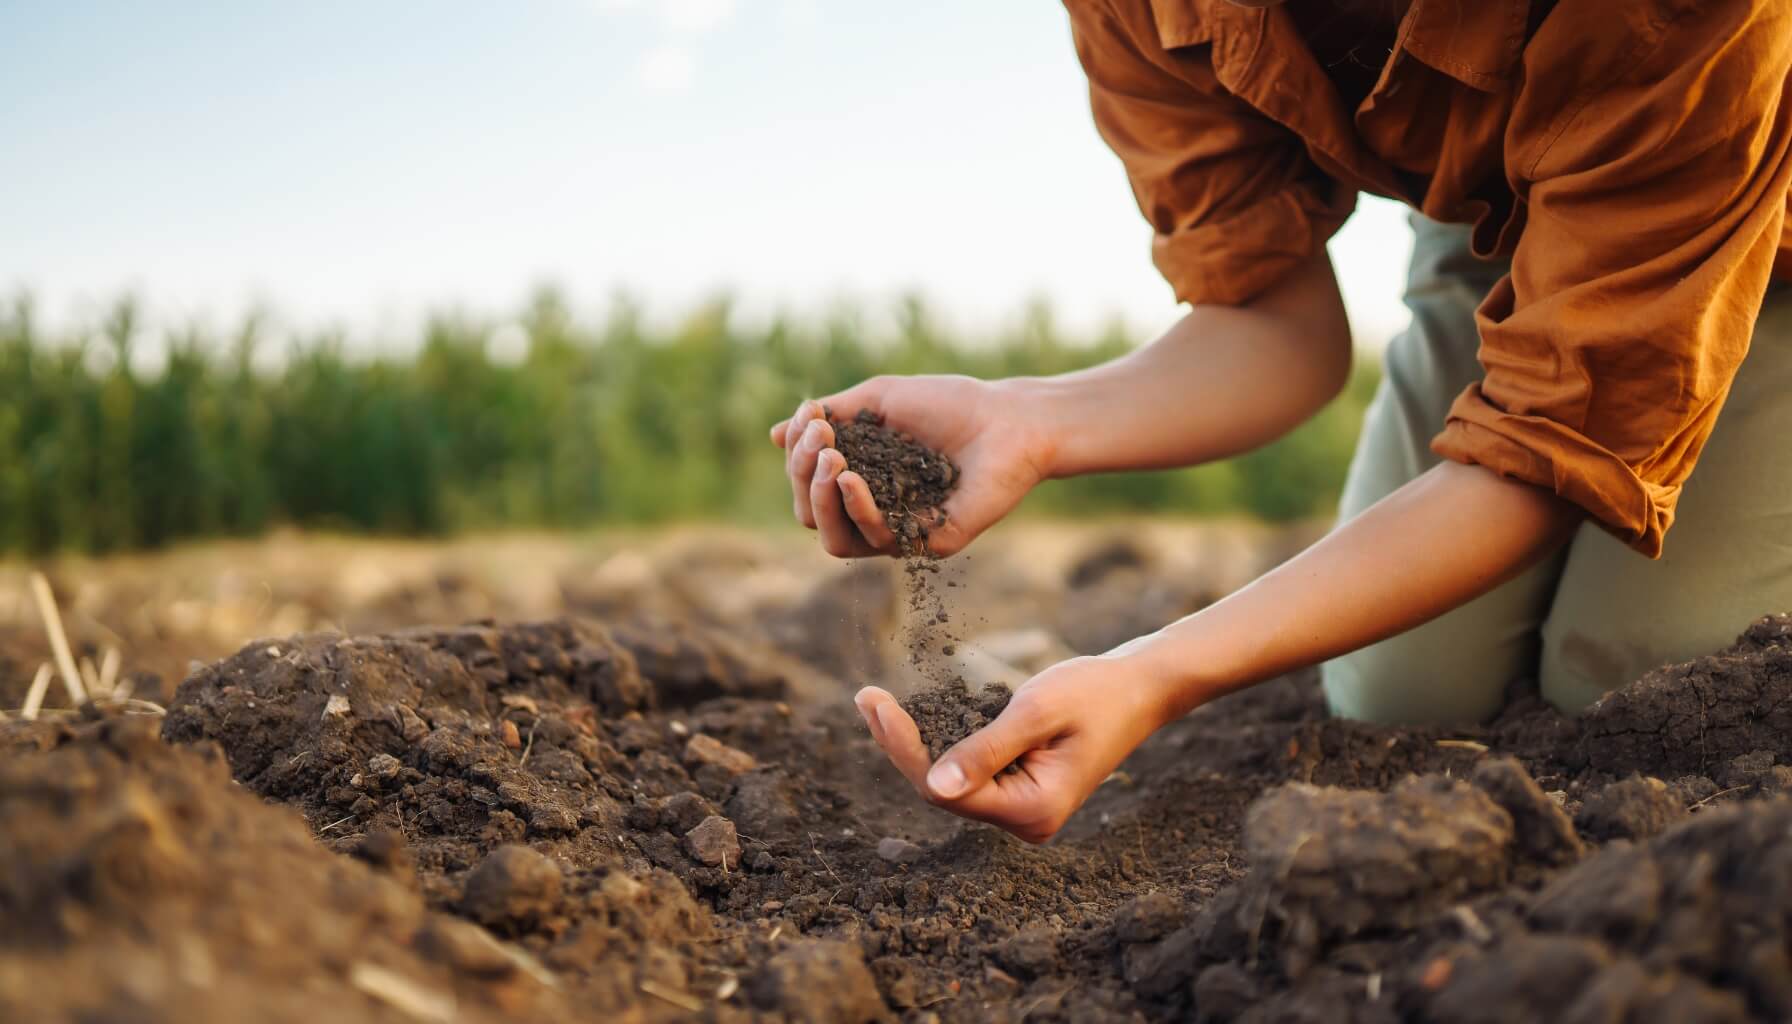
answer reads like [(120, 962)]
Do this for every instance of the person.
[(1600, 191)]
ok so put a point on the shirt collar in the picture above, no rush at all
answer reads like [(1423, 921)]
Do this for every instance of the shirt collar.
[(1476, 42)]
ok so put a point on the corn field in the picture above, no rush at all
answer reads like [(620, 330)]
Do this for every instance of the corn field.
[(583, 424)]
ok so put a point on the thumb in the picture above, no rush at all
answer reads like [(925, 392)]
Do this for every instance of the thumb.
[(976, 759)]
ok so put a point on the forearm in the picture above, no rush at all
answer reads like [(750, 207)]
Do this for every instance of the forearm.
[(1222, 381), (1444, 539)]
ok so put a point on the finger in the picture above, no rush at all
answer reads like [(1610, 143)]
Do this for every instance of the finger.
[(838, 535), (861, 508), (901, 739), (1015, 803), (975, 760), (865, 702), (816, 436), (778, 432), (806, 411)]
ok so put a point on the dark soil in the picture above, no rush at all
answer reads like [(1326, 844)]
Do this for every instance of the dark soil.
[(909, 480), (635, 821), (948, 713)]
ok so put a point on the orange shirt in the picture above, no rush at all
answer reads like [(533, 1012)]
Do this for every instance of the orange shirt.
[(1632, 157)]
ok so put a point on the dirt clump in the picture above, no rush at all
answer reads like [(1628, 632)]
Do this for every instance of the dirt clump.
[(948, 713), (1331, 864), (1692, 718), (512, 885), (204, 903), (1688, 925), (1635, 808), (818, 982), (909, 481)]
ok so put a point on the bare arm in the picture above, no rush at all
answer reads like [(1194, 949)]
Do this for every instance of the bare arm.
[(1443, 539), (1222, 381)]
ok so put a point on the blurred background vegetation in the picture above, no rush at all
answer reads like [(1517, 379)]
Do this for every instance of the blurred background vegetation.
[(539, 421)]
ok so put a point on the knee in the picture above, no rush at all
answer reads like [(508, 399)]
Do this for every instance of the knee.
[(1405, 681)]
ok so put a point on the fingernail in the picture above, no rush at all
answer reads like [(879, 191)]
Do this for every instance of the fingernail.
[(946, 779), (831, 463), (812, 432)]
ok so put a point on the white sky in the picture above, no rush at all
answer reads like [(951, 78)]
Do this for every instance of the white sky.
[(357, 163)]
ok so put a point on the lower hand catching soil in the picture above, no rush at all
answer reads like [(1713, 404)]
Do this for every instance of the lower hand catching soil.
[(1001, 450), (1065, 731)]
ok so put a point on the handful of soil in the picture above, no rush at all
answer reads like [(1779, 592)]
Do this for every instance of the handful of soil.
[(948, 713), (909, 480)]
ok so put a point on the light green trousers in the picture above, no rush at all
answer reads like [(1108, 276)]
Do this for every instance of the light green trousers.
[(1596, 615)]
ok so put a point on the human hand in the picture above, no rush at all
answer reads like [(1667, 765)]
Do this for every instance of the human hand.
[(1067, 729), (1001, 443)]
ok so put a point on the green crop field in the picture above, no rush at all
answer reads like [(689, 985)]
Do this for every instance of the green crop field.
[(587, 423)]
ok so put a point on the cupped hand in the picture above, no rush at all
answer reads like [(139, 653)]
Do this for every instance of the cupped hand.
[(1066, 730), (1000, 442)]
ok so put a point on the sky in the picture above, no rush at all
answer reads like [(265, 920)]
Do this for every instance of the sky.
[(357, 164)]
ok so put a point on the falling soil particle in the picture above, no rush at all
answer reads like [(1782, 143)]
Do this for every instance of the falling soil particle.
[(910, 483)]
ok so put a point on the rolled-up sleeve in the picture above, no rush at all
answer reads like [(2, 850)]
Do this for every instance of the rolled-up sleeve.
[(1655, 200), (1233, 199)]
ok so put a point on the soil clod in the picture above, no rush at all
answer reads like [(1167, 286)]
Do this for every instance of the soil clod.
[(909, 481), (948, 713)]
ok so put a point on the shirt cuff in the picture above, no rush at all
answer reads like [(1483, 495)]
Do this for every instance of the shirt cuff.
[(1230, 261), (1543, 452)]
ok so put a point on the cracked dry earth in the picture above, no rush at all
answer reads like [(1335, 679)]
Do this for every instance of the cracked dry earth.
[(654, 821)]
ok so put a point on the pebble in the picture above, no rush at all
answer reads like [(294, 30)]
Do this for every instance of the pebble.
[(511, 737), (714, 842), (707, 750), (384, 767), (897, 850), (512, 884)]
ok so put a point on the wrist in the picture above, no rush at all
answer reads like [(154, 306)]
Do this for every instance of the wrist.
[(1174, 675), (1036, 409)]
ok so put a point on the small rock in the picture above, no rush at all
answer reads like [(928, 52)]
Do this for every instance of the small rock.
[(521, 701), (1635, 808), (999, 983), (1224, 992), (684, 811), (714, 842), (1541, 828), (1747, 770), (513, 885), (335, 707), (707, 750), (411, 726), (816, 981), (507, 732), (761, 806), (384, 767), (552, 820), (1148, 917), (1032, 951), (384, 848), (897, 850), (1157, 969)]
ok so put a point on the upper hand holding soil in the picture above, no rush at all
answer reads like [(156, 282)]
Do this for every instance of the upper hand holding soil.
[(997, 449), (1027, 772)]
